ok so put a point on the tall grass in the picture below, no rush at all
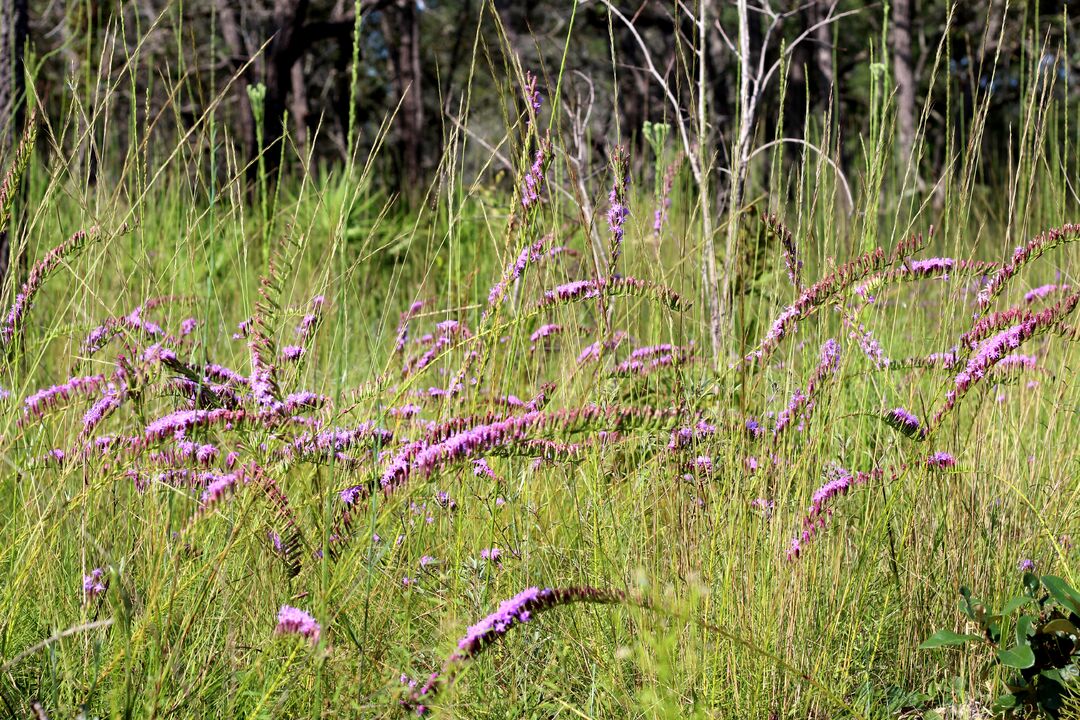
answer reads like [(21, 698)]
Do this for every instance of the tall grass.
[(660, 496)]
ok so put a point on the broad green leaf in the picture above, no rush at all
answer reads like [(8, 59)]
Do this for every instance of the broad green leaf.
[(1015, 604), (1061, 592), (1023, 629), (1018, 656), (947, 638), (1005, 702)]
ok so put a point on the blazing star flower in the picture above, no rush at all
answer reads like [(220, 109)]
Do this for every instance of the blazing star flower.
[(940, 459), (904, 421), (93, 585), (1042, 292), (533, 182), (219, 486), (295, 621), (292, 353), (24, 299), (661, 213), (544, 331)]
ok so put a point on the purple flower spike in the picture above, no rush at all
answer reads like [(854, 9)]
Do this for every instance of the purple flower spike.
[(93, 585), (904, 421)]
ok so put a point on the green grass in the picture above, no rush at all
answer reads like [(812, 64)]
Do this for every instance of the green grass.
[(735, 629)]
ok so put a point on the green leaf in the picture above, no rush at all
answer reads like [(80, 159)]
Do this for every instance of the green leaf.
[(1032, 584), (1023, 629), (947, 638), (1061, 592), (1018, 656), (1005, 702), (1015, 604)]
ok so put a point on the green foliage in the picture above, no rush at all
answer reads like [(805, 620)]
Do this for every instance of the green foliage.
[(1045, 647)]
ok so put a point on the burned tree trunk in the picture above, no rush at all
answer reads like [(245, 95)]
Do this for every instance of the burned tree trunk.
[(14, 22), (402, 23)]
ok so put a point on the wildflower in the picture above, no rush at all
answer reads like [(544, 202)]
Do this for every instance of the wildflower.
[(618, 212), (219, 486), (24, 299), (310, 321), (664, 204), (1025, 565), (491, 554), (542, 332), (940, 459), (188, 325), (790, 252), (532, 97), (533, 182), (802, 403), (904, 421), (482, 469), (292, 353), (93, 584), (295, 621), (1041, 292), (1022, 256)]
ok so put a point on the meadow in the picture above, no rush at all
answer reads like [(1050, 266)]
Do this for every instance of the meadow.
[(317, 452)]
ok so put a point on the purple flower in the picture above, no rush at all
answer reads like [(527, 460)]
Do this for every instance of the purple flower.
[(295, 621), (1026, 565), (311, 320), (24, 299), (482, 469), (618, 212), (292, 353), (544, 331), (93, 585), (660, 215), (188, 325), (1042, 292), (940, 459), (904, 421), (533, 182), (219, 486)]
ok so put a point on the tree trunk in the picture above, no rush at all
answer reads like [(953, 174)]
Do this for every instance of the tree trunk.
[(403, 24), (823, 53), (14, 22), (234, 40), (903, 72), (281, 54)]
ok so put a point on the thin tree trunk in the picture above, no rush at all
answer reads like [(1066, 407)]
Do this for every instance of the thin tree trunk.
[(234, 40), (14, 22), (281, 56), (823, 53), (298, 105), (708, 266), (406, 62), (739, 161), (904, 75)]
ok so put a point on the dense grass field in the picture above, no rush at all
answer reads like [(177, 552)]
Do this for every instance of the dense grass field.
[(305, 455)]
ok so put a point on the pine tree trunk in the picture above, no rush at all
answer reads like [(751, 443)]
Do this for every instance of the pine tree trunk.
[(14, 22)]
